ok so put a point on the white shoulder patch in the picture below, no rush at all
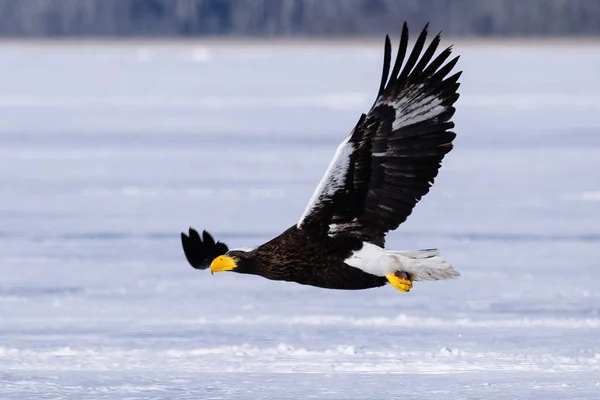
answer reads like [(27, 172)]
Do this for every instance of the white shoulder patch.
[(333, 179)]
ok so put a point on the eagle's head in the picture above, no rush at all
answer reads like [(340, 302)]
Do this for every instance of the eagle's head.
[(234, 260)]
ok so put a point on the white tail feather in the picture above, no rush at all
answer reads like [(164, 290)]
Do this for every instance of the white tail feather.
[(426, 265)]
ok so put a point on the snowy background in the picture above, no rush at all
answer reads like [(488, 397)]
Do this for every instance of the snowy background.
[(109, 151)]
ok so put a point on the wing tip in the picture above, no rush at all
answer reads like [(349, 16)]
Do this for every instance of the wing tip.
[(417, 66), (387, 56)]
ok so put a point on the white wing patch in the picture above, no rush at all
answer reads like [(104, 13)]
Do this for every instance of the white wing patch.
[(410, 109), (423, 265), (333, 179), (411, 113)]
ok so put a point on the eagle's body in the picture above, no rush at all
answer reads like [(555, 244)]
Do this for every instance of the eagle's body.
[(377, 176), (301, 258)]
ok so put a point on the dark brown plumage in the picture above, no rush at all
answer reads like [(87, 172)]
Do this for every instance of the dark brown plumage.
[(380, 172)]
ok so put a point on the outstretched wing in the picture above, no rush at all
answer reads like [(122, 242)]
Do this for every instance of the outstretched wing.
[(201, 251), (390, 160)]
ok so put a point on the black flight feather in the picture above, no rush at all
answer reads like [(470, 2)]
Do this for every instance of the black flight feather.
[(438, 61), (427, 56), (399, 60), (201, 251), (414, 55), (387, 55)]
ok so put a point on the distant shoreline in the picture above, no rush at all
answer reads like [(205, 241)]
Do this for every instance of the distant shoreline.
[(296, 41)]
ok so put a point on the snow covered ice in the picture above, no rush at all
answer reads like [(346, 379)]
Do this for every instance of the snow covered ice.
[(108, 152)]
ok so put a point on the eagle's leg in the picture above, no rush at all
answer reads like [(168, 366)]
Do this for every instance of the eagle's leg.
[(400, 280)]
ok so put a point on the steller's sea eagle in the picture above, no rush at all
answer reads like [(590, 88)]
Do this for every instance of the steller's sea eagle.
[(377, 176)]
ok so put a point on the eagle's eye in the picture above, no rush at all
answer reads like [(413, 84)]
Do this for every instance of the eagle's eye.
[(236, 259)]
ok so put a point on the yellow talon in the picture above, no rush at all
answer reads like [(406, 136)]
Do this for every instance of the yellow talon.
[(403, 285)]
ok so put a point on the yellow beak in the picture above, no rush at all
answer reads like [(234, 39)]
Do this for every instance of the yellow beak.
[(222, 263)]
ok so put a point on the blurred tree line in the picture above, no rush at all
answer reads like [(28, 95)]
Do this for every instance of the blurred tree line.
[(296, 17)]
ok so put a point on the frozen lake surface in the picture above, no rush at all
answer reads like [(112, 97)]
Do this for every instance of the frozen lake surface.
[(108, 152)]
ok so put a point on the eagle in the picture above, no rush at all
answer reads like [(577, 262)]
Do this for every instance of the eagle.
[(378, 174)]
